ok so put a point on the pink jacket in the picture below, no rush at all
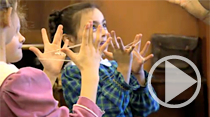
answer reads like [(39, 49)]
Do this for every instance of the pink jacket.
[(28, 93)]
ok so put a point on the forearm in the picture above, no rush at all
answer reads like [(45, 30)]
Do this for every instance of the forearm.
[(207, 18), (196, 9), (2, 47), (89, 84)]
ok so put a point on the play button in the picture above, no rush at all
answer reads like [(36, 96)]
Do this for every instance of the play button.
[(176, 81)]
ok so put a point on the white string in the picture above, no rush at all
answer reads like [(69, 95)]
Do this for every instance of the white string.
[(136, 53), (54, 59), (129, 45), (68, 47)]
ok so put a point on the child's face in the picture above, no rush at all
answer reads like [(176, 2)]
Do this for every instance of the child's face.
[(98, 19), (14, 47)]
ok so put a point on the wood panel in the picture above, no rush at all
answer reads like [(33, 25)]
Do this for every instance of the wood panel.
[(37, 13), (208, 63)]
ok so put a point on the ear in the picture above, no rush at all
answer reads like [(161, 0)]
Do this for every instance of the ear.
[(70, 38), (6, 18)]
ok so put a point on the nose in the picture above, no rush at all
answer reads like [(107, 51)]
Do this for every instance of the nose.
[(104, 32), (21, 38)]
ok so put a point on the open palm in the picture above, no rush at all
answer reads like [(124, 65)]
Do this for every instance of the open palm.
[(139, 58), (52, 59)]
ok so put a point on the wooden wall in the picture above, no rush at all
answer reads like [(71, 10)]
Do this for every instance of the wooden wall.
[(127, 18), (37, 13)]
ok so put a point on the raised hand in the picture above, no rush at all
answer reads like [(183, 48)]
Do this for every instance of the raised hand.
[(52, 59), (122, 55), (89, 56), (139, 57)]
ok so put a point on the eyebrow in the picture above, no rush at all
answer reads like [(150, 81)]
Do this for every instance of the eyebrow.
[(95, 22)]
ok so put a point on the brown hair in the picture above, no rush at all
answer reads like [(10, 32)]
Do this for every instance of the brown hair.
[(5, 4), (69, 17)]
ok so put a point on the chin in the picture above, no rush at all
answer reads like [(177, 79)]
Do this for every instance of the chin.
[(16, 59)]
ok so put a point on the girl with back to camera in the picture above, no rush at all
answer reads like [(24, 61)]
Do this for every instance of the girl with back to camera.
[(27, 92)]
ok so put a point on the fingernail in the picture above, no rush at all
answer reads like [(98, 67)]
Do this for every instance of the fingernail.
[(88, 25), (99, 26)]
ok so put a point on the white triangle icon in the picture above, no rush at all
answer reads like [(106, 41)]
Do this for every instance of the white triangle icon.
[(176, 81)]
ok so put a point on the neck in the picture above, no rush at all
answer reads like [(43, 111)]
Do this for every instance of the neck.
[(2, 47)]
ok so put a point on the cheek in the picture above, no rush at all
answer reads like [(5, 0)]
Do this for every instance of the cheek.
[(79, 36), (94, 37), (10, 33)]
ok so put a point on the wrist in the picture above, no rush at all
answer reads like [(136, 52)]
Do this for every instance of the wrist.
[(140, 76), (140, 72), (49, 73), (91, 75), (125, 71), (123, 68), (50, 76)]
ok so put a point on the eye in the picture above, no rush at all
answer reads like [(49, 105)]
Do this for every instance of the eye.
[(94, 27), (104, 26)]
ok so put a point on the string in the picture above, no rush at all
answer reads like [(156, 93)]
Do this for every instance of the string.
[(54, 59), (68, 47), (136, 53), (128, 45), (132, 43)]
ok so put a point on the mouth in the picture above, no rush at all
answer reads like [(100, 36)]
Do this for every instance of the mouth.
[(20, 47), (102, 43)]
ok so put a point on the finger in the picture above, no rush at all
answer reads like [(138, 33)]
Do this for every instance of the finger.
[(109, 55), (69, 53), (44, 36), (138, 46), (148, 57), (113, 34), (119, 40), (98, 37), (66, 43), (105, 45), (145, 49), (58, 35), (36, 51), (131, 49), (174, 1), (136, 41), (112, 45), (91, 33), (85, 35)]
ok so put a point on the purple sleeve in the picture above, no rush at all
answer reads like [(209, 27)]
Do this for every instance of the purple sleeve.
[(86, 108), (28, 93)]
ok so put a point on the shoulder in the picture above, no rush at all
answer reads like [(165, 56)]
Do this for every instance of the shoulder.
[(27, 78), (70, 72), (71, 68), (114, 63)]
